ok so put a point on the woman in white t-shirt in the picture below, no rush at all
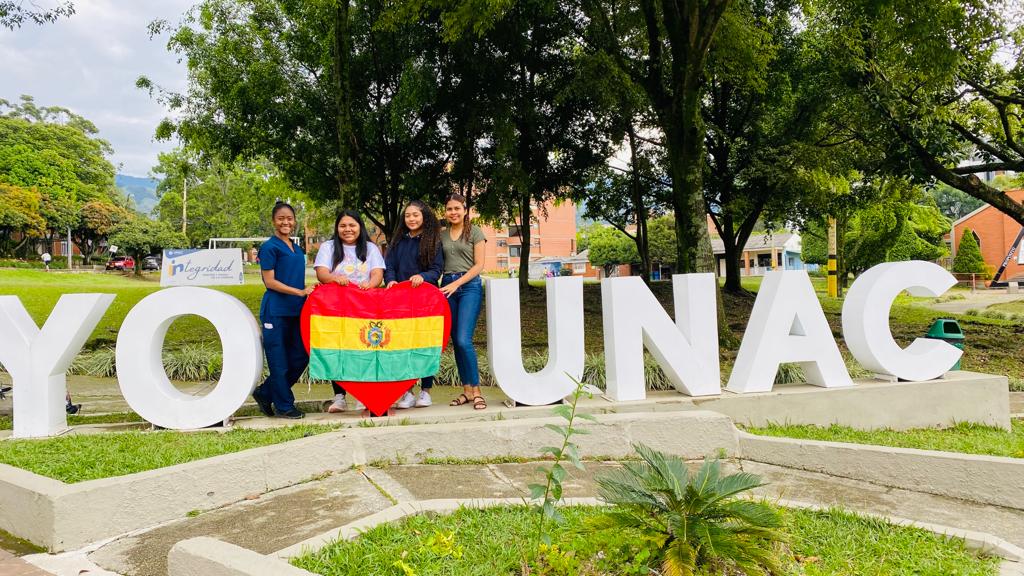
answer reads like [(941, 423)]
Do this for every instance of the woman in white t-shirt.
[(349, 257)]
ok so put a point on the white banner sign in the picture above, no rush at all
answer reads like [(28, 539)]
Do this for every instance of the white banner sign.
[(218, 267)]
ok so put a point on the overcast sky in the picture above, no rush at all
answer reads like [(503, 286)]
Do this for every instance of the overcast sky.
[(89, 63)]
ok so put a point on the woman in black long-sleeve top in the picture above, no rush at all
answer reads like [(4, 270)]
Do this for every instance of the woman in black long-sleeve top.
[(415, 255)]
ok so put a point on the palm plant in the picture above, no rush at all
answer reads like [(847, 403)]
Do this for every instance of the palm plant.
[(697, 522)]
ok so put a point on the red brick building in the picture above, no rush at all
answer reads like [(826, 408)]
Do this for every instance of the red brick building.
[(552, 234), (995, 233)]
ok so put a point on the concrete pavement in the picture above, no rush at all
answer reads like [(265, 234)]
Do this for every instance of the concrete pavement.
[(276, 520)]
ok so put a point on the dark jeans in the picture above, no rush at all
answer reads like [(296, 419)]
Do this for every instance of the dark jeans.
[(286, 359), (465, 304)]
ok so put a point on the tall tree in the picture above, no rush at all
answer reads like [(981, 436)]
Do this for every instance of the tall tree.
[(343, 107), (57, 152), (139, 236), (629, 197), (541, 135), (928, 80), (96, 220), (19, 214), (760, 116), (663, 46), (224, 199)]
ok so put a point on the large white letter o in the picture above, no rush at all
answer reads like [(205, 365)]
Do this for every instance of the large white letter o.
[(140, 368)]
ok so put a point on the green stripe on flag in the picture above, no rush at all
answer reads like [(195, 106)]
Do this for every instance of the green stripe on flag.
[(374, 365)]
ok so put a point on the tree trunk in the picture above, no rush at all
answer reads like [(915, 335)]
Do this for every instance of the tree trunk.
[(347, 144), (525, 215), (686, 159), (643, 243), (732, 266)]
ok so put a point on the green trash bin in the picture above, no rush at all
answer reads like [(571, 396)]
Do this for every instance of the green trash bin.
[(948, 330)]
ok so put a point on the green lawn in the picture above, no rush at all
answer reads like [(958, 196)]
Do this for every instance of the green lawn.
[(77, 458), (497, 542), (1012, 307), (39, 292), (964, 437)]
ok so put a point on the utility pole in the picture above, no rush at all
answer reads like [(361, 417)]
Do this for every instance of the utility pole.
[(70, 248), (833, 273)]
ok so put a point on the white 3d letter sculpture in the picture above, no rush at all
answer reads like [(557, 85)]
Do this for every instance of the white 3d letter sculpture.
[(565, 341), (38, 359), (866, 321), (140, 368), (787, 325), (686, 350)]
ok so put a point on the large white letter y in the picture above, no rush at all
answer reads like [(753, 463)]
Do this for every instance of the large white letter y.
[(37, 359)]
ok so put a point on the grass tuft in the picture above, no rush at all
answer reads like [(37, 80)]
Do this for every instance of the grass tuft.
[(829, 542), (965, 437), (77, 458)]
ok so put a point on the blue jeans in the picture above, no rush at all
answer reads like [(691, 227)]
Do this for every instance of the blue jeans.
[(286, 359), (465, 304)]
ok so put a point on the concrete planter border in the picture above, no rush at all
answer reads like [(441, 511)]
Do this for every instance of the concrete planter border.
[(211, 557), (61, 516), (978, 478)]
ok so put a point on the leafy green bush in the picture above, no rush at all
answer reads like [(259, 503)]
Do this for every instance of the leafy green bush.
[(968, 258), (696, 522)]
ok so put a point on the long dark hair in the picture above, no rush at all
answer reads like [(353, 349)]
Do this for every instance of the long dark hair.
[(430, 233), (361, 240), (467, 228)]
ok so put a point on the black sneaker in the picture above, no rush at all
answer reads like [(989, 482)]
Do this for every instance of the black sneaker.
[(293, 414), (265, 405)]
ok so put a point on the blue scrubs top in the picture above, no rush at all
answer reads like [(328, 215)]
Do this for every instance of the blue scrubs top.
[(289, 268)]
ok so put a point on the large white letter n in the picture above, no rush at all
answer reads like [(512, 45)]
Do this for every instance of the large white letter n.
[(37, 359), (686, 350)]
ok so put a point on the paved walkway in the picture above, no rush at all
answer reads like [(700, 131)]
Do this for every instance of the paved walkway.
[(279, 519), (975, 301)]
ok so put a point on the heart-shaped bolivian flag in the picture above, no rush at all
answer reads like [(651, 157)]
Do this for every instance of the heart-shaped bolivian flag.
[(377, 342)]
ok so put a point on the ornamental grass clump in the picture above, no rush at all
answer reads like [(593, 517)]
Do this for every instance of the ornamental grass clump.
[(697, 522)]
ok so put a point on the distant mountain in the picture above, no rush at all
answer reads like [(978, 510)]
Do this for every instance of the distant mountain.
[(142, 191)]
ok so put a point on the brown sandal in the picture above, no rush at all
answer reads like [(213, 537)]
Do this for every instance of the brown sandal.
[(459, 400), (479, 403)]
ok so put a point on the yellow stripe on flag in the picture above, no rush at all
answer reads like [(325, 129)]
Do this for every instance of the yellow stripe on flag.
[(343, 333)]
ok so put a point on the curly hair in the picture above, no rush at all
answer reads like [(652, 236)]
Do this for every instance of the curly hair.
[(430, 232)]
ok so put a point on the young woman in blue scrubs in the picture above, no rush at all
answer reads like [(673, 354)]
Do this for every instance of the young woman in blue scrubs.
[(283, 264)]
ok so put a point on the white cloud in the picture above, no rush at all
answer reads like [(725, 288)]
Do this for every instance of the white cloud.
[(89, 64)]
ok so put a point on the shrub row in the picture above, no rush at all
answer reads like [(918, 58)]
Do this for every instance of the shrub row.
[(996, 314), (203, 363)]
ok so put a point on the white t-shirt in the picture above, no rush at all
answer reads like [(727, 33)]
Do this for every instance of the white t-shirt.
[(350, 266), (46, 257)]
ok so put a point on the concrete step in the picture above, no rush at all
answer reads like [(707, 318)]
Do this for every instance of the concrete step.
[(264, 524), (280, 519)]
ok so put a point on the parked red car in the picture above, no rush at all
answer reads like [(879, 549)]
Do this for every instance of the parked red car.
[(121, 263)]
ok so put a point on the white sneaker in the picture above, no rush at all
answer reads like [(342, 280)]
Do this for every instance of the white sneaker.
[(406, 401), (338, 405), (359, 407), (423, 400)]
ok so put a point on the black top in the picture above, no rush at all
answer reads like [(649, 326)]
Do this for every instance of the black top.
[(403, 262)]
